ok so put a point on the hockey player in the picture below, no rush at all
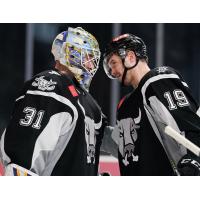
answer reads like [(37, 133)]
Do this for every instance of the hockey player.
[(55, 128), (143, 146)]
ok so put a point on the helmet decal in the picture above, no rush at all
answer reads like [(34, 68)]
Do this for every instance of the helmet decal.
[(120, 37)]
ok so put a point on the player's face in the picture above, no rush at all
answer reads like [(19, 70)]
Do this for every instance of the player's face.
[(88, 63), (116, 66)]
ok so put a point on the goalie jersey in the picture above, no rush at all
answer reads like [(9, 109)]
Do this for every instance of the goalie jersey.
[(55, 128), (144, 149)]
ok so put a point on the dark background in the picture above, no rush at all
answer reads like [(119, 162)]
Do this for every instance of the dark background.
[(181, 51)]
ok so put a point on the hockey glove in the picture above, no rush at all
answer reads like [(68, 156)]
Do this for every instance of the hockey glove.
[(189, 167)]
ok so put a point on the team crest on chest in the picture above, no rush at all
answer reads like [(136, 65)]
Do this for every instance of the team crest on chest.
[(43, 84)]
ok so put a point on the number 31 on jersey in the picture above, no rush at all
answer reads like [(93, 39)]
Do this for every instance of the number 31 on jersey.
[(31, 115)]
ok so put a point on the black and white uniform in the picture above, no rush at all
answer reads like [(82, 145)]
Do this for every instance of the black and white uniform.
[(55, 128), (143, 148)]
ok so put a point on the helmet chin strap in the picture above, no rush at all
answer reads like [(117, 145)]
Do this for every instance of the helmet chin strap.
[(126, 69)]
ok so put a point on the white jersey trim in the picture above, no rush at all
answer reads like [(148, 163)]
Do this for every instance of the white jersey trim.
[(153, 79), (5, 157), (198, 112), (185, 84), (21, 97), (54, 96)]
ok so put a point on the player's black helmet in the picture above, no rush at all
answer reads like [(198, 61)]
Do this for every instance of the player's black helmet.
[(120, 45)]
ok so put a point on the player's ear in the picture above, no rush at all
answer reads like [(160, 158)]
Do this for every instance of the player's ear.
[(130, 59)]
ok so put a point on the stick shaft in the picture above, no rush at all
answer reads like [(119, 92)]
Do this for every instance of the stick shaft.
[(182, 140)]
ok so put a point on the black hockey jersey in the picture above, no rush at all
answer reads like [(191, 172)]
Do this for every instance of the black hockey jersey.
[(143, 148), (55, 128)]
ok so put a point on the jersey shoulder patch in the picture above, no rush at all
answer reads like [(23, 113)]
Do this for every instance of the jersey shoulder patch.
[(53, 81), (44, 84), (72, 90), (45, 81), (164, 70)]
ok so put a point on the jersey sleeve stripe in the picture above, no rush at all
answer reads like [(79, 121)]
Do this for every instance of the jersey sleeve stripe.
[(3, 154), (198, 112), (39, 151), (21, 97), (185, 84), (153, 79), (143, 90), (59, 125), (54, 96)]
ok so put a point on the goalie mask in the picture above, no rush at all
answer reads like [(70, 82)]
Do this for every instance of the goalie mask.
[(119, 46), (79, 51)]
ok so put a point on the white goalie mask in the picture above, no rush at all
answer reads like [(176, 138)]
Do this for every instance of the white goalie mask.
[(79, 51)]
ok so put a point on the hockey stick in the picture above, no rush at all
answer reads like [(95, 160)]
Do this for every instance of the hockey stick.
[(174, 134), (182, 140)]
